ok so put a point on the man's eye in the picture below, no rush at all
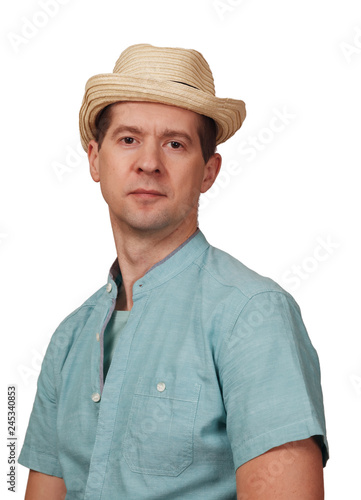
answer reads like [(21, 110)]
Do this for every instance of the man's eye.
[(175, 145), (128, 140)]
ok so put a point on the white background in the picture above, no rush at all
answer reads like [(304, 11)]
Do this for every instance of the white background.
[(275, 204)]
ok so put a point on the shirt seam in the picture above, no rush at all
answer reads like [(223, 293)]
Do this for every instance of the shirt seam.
[(283, 293), (310, 419), (155, 286), (56, 368), (76, 311), (297, 422), (38, 452), (236, 287), (224, 341)]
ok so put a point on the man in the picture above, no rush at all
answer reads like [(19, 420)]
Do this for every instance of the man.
[(187, 375)]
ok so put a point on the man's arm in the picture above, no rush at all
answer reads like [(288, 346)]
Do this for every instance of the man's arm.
[(293, 471), (44, 487)]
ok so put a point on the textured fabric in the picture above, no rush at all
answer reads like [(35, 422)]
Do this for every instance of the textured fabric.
[(111, 334), (213, 368)]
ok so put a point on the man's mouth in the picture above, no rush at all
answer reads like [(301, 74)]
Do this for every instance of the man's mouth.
[(147, 193)]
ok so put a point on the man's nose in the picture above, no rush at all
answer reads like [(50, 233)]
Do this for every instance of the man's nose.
[(150, 158)]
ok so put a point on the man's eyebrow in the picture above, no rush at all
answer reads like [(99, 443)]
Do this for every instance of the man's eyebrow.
[(167, 133), (125, 128)]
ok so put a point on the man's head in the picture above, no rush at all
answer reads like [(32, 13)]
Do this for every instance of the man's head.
[(151, 129)]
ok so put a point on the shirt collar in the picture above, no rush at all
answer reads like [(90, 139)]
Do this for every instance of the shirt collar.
[(166, 268)]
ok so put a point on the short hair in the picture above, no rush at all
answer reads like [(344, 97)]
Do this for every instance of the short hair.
[(207, 131)]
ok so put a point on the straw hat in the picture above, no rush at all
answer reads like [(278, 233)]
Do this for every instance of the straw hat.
[(174, 76)]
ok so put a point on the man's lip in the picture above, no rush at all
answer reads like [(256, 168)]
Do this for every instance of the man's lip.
[(147, 191)]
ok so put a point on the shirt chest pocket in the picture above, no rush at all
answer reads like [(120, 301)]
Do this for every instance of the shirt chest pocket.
[(159, 435)]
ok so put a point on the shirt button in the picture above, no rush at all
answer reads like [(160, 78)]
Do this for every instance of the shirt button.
[(161, 386), (109, 287), (97, 337), (96, 397)]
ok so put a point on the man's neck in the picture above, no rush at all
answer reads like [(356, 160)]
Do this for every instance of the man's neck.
[(138, 252)]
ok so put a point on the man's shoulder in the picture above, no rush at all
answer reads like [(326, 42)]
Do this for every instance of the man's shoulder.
[(73, 323), (228, 271)]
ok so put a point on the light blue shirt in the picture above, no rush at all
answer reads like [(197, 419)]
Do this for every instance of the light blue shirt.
[(213, 368)]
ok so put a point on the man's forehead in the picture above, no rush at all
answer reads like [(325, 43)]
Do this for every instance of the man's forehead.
[(134, 110)]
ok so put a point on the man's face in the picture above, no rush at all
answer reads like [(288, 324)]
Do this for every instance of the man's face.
[(150, 167)]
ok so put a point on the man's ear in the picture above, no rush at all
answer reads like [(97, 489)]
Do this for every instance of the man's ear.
[(211, 170), (93, 157)]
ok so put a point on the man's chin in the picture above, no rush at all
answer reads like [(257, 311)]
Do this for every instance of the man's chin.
[(149, 225)]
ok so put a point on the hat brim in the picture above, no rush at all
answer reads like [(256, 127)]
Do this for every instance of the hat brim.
[(105, 89)]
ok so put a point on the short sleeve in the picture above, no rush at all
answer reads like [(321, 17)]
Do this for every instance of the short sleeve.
[(40, 451), (270, 378)]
